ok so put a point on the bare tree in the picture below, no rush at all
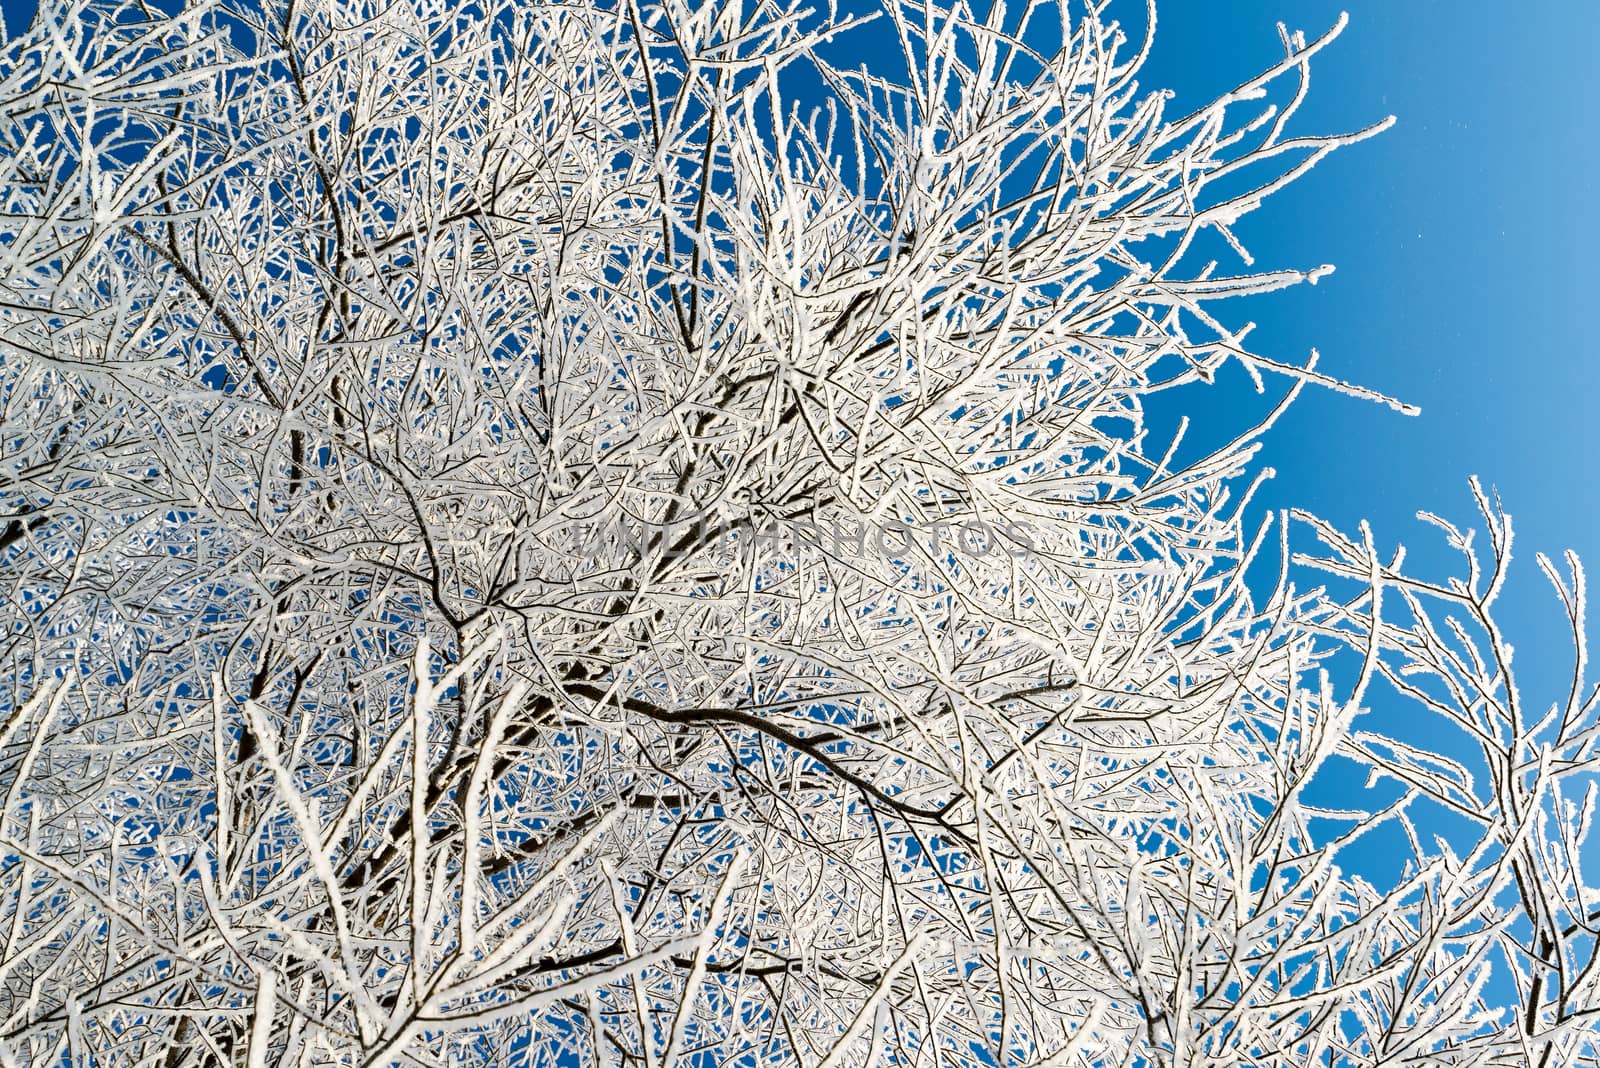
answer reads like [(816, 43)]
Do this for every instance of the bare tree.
[(568, 534)]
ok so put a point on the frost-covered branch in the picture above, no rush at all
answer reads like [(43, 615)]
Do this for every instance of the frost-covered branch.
[(523, 537)]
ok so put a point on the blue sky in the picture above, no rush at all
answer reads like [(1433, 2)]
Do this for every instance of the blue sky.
[(1465, 240)]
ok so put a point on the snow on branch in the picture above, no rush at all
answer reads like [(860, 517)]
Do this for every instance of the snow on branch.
[(602, 533)]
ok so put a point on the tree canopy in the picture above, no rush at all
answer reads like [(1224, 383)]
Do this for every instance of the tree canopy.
[(598, 533)]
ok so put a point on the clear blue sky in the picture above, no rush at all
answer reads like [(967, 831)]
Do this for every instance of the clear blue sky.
[(1465, 239)]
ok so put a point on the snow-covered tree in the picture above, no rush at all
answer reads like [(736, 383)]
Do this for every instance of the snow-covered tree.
[(598, 534)]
